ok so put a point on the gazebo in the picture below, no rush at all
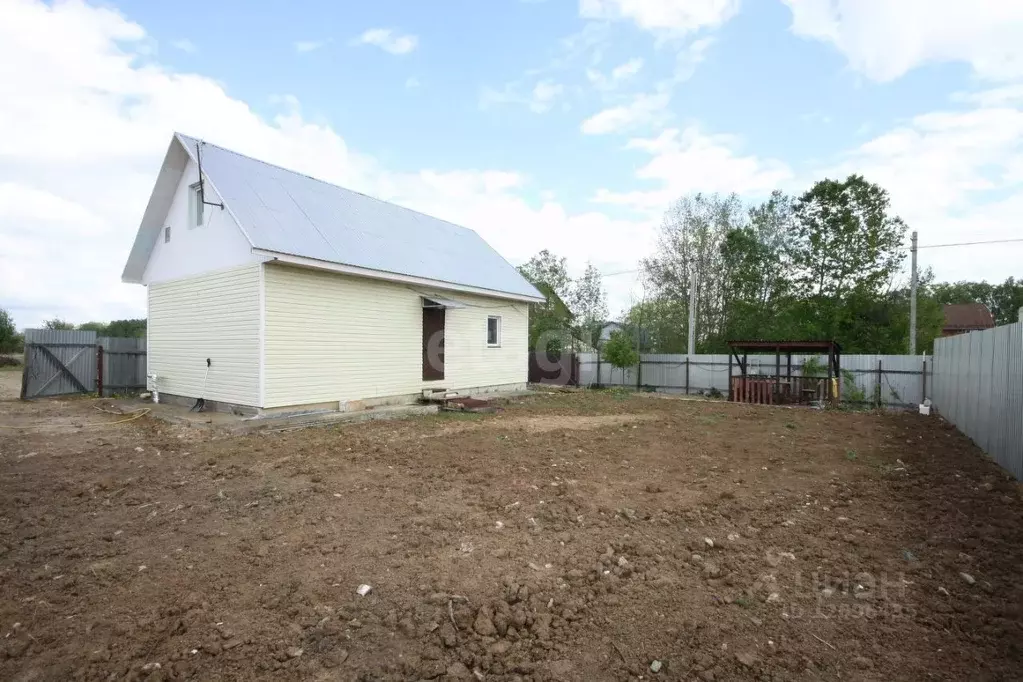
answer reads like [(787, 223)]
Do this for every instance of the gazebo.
[(779, 388)]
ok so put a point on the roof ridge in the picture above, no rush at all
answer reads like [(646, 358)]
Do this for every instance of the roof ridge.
[(324, 182)]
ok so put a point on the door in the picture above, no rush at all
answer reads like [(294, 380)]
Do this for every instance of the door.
[(433, 344)]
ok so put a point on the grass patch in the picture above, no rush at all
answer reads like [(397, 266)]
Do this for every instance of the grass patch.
[(745, 601), (850, 455)]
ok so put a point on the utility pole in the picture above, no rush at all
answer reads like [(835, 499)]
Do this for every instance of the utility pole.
[(692, 314), (912, 296)]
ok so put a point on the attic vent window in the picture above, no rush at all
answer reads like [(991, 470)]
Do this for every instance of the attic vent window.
[(195, 205), (166, 234)]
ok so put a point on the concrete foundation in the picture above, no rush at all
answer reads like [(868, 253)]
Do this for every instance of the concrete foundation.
[(343, 406)]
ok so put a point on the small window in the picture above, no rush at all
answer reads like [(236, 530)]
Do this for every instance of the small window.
[(166, 234), (195, 205), (493, 331)]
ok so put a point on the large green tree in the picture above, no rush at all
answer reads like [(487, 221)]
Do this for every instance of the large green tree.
[(847, 246)]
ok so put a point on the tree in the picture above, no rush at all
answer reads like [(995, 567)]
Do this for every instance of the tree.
[(99, 327), (661, 324), (549, 321), (588, 302), (690, 240), (1003, 300), (845, 237), (126, 328), (9, 338), (620, 351), (548, 269), (1006, 301), (58, 324), (846, 244)]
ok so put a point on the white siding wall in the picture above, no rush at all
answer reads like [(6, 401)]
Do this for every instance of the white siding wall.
[(216, 316), (332, 337), (193, 249)]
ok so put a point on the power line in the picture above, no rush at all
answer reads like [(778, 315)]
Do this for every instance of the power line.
[(992, 241), (620, 272)]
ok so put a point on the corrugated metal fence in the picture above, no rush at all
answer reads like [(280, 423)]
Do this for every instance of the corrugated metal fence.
[(59, 362), (124, 364), (902, 379), (978, 386)]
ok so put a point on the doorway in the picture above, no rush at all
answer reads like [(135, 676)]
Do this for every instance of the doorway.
[(433, 343)]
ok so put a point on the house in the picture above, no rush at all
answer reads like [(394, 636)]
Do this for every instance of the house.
[(966, 317), (607, 329), (270, 290)]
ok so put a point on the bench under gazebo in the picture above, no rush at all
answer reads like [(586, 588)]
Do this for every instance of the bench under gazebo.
[(782, 388)]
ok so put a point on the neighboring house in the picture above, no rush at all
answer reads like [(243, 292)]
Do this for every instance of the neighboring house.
[(269, 289), (606, 330), (966, 317), (609, 328)]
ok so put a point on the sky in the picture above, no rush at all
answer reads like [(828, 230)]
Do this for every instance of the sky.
[(569, 125)]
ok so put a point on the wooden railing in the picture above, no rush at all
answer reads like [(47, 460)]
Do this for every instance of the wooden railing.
[(770, 390)]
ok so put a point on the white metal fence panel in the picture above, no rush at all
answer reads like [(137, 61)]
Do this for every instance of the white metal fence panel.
[(978, 386), (902, 377)]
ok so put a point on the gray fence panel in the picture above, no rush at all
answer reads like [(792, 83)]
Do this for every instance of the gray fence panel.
[(124, 364), (902, 376), (978, 386), (58, 362)]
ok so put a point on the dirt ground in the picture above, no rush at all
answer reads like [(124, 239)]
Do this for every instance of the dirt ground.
[(582, 536), (10, 383)]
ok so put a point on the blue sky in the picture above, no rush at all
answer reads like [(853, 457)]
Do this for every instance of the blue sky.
[(561, 124)]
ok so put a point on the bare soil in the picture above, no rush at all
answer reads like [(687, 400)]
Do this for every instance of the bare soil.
[(580, 536), (10, 383)]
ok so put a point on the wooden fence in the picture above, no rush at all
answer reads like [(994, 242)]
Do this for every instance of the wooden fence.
[(59, 362)]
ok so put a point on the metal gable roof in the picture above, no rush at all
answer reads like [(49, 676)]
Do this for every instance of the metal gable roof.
[(289, 213)]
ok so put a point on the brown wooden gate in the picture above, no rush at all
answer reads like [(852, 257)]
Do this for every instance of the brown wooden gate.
[(556, 370)]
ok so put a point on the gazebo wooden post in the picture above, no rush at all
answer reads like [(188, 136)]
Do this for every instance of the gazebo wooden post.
[(831, 369), (731, 391), (777, 372)]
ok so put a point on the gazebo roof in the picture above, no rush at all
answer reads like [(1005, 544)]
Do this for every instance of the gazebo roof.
[(765, 345)]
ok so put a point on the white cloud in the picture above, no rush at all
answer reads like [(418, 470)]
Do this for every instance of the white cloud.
[(884, 39), (309, 45), (539, 99), (627, 70), (619, 74), (185, 45), (388, 40), (73, 187), (995, 97), (674, 16), (954, 176), (688, 161), (642, 110), (544, 94)]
